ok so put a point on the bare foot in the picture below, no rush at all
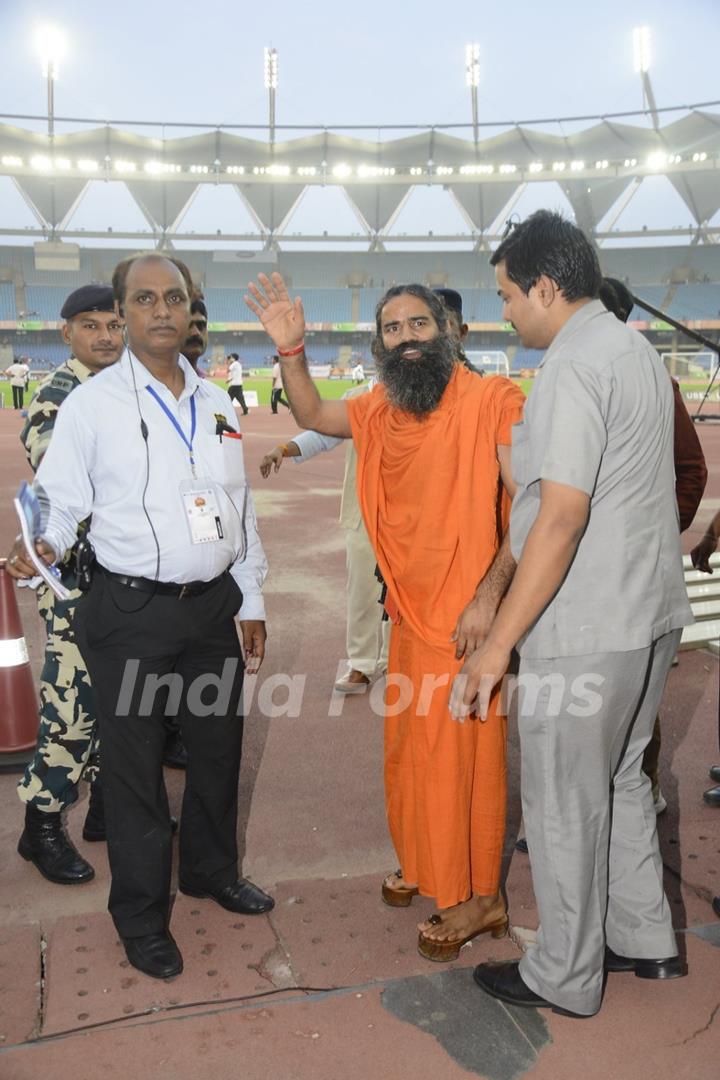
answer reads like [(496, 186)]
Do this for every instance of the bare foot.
[(397, 881), (462, 921)]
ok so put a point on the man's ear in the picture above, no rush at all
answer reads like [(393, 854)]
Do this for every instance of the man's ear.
[(65, 332), (119, 310), (547, 290)]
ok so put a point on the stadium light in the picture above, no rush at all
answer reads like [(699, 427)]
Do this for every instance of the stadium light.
[(641, 49), (472, 64), (271, 81), (51, 47), (472, 78), (536, 166), (271, 69)]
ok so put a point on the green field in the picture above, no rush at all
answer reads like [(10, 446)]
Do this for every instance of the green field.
[(335, 388)]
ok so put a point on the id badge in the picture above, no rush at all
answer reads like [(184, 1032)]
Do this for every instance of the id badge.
[(202, 513)]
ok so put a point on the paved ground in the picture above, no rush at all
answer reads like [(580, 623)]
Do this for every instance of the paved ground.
[(330, 984)]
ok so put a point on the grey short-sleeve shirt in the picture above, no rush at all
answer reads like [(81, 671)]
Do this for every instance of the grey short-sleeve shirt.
[(600, 418)]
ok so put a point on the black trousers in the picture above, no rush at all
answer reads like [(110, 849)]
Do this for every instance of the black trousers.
[(125, 645), (18, 396), (276, 399), (235, 393)]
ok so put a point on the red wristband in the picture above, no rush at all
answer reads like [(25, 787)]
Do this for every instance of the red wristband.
[(292, 352)]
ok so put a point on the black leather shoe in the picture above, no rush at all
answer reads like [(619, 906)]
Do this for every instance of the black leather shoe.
[(504, 981), (670, 968), (45, 843), (175, 755), (715, 773), (522, 845), (156, 955), (712, 796), (242, 897)]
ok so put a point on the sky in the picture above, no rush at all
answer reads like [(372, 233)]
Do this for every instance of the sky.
[(371, 63)]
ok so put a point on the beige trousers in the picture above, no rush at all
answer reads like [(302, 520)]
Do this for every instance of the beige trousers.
[(367, 634)]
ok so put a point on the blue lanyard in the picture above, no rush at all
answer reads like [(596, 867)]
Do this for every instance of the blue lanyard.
[(175, 424)]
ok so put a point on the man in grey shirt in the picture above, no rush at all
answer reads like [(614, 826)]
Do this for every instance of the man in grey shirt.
[(595, 608)]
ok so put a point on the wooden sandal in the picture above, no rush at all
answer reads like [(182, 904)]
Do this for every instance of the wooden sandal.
[(444, 951), (398, 896)]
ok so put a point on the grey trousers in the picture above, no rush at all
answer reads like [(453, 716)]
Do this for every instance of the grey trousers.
[(589, 816)]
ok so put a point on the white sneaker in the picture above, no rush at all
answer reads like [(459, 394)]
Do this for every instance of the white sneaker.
[(355, 682), (660, 803)]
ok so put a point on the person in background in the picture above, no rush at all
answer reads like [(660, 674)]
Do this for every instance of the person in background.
[(19, 375), (67, 747), (235, 382), (276, 397), (700, 556), (690, 480)]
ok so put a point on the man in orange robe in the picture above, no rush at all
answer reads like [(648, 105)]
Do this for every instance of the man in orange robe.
[(432, 441)]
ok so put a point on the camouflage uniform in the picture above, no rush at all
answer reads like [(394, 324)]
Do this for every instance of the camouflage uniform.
[(66, 737)]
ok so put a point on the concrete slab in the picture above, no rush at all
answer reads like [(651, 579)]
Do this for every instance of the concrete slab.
[(339, 933), (21, 951), (89, 980)]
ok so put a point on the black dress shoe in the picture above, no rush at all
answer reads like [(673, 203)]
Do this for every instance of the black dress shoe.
[(175, 755), (712, 796), (45, 843), (242, 897), (156, 955), (669, 968), (504, 981), (715, 773)]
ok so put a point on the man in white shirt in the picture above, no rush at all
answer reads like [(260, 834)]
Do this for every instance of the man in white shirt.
[(276, 397), (178, 558), (235, 382), (358, 374), (19, 374)]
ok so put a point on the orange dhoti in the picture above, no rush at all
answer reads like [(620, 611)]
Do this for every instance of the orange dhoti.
[(445, 781), (433, 505)]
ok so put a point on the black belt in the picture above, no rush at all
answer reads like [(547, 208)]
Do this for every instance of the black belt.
[(164, 588)]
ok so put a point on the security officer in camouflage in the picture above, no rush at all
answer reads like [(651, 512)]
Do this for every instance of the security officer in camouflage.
[(65, 745)]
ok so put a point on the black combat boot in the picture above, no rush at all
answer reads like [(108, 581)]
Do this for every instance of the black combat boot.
[(94, 827), (45, 843)]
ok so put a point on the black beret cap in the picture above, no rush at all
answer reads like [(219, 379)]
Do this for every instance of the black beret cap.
[(451, 299), (88, 298)]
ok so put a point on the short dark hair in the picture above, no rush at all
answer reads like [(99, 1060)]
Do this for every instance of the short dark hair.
[(617, 298), (431, 299), (197, 307), (234, 356), (546, 244), (121, 271)]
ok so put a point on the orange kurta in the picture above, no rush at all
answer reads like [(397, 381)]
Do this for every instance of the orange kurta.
[(431, 498)]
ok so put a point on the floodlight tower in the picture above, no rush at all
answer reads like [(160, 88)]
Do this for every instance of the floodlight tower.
[(472, 77), (641, 50), (271, 75), (51, 46)]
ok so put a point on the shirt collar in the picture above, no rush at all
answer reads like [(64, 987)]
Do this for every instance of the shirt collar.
[(576, 322), (78, 369), (193, 383)]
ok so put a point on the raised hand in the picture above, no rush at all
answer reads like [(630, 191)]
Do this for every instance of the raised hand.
[(283, 318)]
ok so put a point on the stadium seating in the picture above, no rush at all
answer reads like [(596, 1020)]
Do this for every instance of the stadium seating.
[(7, 302), (45, 301)]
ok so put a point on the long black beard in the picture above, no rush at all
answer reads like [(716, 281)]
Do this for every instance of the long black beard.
[(416, 386)]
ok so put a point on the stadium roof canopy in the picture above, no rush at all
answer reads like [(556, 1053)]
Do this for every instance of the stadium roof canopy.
[(599, 169)]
